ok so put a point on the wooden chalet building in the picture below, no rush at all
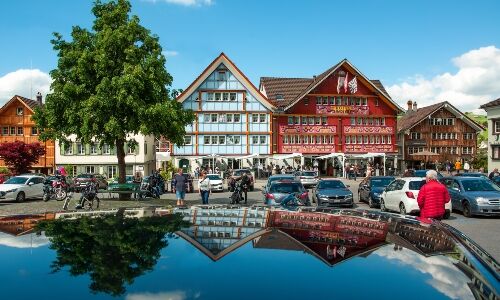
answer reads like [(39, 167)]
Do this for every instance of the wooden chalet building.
[(439, 128), (16, 125), (338, 111)]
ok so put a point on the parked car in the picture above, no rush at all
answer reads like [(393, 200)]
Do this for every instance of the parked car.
[(216, 184), (23, 187), (473, 174), (401, 196), (496, 180), (128, 179), (422, 173), (189, 183), (274, 178), (333, 192), (239, 172), (81, 180), (371, 188), (129, 185), (307, 178), (473, 195), (3, 178), (282, 188)]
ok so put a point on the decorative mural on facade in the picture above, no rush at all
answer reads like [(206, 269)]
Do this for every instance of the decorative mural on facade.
[(342, 109), (368, 129), (368, 148), (308, 148), (291, 129)]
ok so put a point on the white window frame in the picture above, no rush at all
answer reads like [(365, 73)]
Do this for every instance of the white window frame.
[(19, 111), (106, 149), (93, 149), (262, 118), (80, 149), (263, 139), (188, 140), (255, 139)]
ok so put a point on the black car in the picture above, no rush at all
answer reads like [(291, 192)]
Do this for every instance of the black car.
[(189, 183), (333, 192), (371, 188)]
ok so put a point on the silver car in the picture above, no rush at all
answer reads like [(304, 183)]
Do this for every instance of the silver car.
[(307, 178)]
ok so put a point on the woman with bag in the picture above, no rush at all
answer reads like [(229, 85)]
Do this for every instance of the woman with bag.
[(204, 187)]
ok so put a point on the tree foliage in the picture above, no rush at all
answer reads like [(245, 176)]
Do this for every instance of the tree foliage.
[(20, 156), (112, 250), (111, 82)]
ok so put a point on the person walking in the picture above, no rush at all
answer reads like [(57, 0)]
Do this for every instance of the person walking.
[(204, 188), (432, 197), (180, 187), (466, 167)]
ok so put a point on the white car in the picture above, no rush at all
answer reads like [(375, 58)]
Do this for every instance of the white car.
[(22, 187), (401, 196), (215, 183)]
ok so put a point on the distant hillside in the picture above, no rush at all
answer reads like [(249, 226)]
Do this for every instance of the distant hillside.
[(482, 120)]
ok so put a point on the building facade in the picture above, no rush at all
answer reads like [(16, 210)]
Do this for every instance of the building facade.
[(493, 115), (338, 111), (17, 125), (233, 120), (92, 158), (439, 128)]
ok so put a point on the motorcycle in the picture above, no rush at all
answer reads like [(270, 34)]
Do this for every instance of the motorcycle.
[(149, 191), (55, 189), (237, 195)]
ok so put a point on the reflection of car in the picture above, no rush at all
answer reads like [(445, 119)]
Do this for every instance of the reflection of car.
[(473, 195), (401, 196), (189, 183), (422, 173), (82, 179), (128, 179), (20, 188), (3, 178), (215, 182), (274, 178), (473, 174), (496, 180), (371, 188), (239, 172), (282, 188), (129, 185), (333, 192), (307, 178)]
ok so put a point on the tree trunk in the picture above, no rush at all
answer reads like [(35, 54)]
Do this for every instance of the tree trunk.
[(120, 154)]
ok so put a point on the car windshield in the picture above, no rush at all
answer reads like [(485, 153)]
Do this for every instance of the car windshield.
[(84, 176), (331, 184), (381, 182), (17, 180), (416, 185), (273, 179), (309, 174), (240, 172), (479, 185), (286, 188), (214, 177)]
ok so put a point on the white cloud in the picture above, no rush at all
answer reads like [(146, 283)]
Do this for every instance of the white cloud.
[(174, 295), (23, 82), (185, 2), (170, 53), (474, 83), (24, 241)]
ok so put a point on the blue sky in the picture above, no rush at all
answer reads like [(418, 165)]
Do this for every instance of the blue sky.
[(412, 46)]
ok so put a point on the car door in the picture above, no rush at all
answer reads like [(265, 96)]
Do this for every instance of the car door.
[(36, 189), (455, 191), (29, 190), (388, 193), (393, 202), (363, 189)]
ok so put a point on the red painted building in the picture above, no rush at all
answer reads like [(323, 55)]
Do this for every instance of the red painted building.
[(338, 111)]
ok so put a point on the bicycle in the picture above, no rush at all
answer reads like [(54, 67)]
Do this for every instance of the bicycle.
[(89, 200)]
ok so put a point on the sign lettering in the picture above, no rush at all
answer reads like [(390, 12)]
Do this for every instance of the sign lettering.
[(295, 129), (342, 109), (368, 148), (368, 129), (302, 148)]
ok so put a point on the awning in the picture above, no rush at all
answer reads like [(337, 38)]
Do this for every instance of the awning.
[(330, 155), (287, 156), (163, 156), (247, 156)]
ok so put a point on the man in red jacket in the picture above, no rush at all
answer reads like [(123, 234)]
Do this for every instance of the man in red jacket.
[(432, 197)]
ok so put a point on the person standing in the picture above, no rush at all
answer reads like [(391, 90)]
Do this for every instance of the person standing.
[(458, 166), (432, 197), (466, 167), (204, 188), (493, 174), (180, 187)]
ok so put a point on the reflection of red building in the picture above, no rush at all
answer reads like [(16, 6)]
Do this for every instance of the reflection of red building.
[(339, 110), (20, 225)]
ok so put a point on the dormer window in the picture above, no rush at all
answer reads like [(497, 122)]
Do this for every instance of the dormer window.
[(19, 111), (221, 76), (279, 97)]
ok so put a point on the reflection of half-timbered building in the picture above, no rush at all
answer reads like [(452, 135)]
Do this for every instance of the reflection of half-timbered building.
[(233, 119), (338, 111)]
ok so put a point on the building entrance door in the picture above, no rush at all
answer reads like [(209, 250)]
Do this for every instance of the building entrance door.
[(184, 164)]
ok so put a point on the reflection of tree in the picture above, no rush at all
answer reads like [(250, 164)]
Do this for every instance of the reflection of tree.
[(113, 250)]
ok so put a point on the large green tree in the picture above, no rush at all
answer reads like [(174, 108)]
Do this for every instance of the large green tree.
[(111, 82)]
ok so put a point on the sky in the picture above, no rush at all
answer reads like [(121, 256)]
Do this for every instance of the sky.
[(426, 51)]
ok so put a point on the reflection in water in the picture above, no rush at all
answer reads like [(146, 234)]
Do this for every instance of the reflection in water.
[(112, 250)]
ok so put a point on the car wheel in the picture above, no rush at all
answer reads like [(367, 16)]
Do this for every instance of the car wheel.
[(446, 215), (382, 205), (402, 209), (370, 203), (466, 210), (20, 197)]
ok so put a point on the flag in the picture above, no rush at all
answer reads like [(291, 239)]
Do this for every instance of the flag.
[(340, 81), (345, 83), (353, 85)]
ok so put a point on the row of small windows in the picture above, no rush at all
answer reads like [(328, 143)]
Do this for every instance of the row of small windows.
[(304, 218), (232, 118), (222, 96), (442, 121), (367, 121), (307, 120), (368, 139), (94, 149), (338, 100), (361, 224), (13, 130), (442, 136), (222, 140), (308, 139), (439, 150)]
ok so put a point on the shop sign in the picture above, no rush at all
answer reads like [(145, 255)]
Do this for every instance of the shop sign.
[(342, 109), (296, 129), (368, 148), (304, 148), (368, 129)]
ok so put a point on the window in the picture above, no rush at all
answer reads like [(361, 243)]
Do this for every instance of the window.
[(19, 111), (372, 139), (206, 140), (34, 131), (80, 149), (311, 120), (383, 139), (233, 139), (222, 139), (236, 118), (317, 120), (222, 118), (262, 118), (297, 120), (338, 100), (332, 100), (304, 121), (213, 140), (285, 139), (318, 100), (358, 101), (263, 139), (376, 102), (232, 96), (497, 126), (468, 136), (382, 121), (412, 150), (255, 118), (347, 139), (360, 121), (389, 139), (106, 149), (324, 120), (68, 149), (495, 152), (365, 139), (377, 139), (188, 140), (229, 118), (360, 139), (217, 97), (206, 118), (213, 118), (5, 130), (290, 120), (353, 121), (467, 150), (221, 76), (12, 130), (20, 131), (112, 172), (415, 136), (364, 102), (210, 96), (255, 139), (146, 148), (90, 169), (93, 149)]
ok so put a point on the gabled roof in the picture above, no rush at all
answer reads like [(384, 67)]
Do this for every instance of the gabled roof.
[(491, 104), (412, 118), (296, 88), (29, 103), (223, 59)]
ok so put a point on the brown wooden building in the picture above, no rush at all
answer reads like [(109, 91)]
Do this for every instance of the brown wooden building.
[(439, 128), (16, 125)]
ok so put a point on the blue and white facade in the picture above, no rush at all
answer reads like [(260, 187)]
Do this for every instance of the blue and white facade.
[(233, 120)]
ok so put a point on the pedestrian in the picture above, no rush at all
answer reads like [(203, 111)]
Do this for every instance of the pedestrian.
[(432, 197), (180, 187), (197, 172), (458, 166), (448, 167), (493, 174), (466, 167), (204, 188)]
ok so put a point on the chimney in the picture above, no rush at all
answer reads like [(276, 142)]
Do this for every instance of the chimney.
[(39, 98), (414, 105), (410, 106)]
